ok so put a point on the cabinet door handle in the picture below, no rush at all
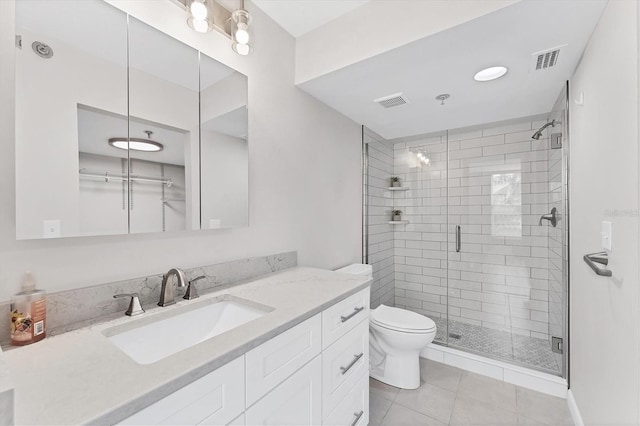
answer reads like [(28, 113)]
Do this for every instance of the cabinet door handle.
[(351, 315), (458, 239), (358, 415), (356, 358)]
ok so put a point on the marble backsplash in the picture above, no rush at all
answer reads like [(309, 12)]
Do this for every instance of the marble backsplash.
[(70, 309)]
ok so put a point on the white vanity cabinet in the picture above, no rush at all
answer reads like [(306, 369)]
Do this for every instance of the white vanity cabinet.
[(217, 398), (314, 373)]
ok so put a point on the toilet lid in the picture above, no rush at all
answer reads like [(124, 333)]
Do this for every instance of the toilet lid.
[(401, 319)]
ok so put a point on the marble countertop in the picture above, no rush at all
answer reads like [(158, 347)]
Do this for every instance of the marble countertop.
[(80, 377)]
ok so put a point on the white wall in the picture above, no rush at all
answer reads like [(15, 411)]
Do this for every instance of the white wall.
[(605, 355), (304, 174)]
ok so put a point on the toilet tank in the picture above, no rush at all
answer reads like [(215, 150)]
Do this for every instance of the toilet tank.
[(361, 269)]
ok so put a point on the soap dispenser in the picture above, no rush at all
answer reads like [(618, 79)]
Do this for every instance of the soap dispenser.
[(28, 313)]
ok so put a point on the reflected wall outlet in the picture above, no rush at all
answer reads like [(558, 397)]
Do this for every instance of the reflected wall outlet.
[(51, 228), (607, 234)]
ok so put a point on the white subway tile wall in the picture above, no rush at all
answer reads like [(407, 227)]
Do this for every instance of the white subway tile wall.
[(379, 205), (496, 187)]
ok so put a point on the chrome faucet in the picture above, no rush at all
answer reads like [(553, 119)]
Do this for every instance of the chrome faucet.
[(167, 294)]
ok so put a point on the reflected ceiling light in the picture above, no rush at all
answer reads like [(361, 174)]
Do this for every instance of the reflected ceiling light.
[(423, 156), (240, 31), (200, 15), (489, 74), (137, 144)]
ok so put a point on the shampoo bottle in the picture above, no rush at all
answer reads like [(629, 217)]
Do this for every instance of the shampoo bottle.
[(28, 314)]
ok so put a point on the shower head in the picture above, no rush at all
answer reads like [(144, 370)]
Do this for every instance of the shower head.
[(538, 134)]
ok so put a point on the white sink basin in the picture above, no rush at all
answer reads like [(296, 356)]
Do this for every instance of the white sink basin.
[(151, 339)]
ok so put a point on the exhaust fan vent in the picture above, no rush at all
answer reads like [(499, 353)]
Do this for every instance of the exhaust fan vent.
[(391, 101), (545, 59)]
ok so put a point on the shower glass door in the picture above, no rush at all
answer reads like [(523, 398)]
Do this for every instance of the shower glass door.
[(498, 253)]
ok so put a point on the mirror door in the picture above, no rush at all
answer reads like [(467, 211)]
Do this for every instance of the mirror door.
[(71, 62)]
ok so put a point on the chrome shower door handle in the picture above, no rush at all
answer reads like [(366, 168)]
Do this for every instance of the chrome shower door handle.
[(458, 243)]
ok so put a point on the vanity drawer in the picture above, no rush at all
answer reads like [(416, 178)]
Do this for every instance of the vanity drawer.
[(343, 316), (272, 362), (295, 402), (216, 399), (342, 365), (354, 409)]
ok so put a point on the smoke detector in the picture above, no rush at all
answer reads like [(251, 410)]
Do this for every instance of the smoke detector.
[(545, 59), (391, 101)]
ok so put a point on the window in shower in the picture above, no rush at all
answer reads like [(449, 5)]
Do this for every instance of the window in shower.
[(506, 204)]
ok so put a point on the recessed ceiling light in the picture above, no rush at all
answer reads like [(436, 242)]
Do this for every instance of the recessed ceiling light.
[(489, 74)]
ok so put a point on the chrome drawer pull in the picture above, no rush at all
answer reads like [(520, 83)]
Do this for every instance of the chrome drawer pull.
[(351, 315), (358, 415), (356, 358)]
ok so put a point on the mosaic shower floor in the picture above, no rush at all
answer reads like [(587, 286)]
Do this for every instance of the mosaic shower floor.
[(500, 344)]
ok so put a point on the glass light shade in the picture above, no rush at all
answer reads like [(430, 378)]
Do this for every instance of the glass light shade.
[(241, 49), (199, 10), (489, 74), (241, 32), (200, 15)]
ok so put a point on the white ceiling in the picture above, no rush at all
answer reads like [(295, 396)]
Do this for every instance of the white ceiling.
[(447, 61), (301, 16)]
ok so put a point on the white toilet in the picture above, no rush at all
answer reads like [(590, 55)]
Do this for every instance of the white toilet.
[(396, 337)]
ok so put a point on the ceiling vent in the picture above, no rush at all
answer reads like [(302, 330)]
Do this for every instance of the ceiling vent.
[(545, 59), (391, 101)]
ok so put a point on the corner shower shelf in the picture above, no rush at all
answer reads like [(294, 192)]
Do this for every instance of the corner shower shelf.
[(398, 222), (398, 188)]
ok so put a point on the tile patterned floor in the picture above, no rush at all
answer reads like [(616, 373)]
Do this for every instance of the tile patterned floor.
[(450, 396), (500, 344)]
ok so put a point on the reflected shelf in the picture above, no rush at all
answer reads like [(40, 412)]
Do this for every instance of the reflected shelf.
[(398, 222), (398, 188)]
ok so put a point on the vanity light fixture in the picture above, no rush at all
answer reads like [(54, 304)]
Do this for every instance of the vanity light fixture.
[(490, 73), (200, 15), (137, 144), (240, 31)]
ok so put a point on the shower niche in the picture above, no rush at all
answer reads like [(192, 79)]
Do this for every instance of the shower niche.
[(121, 128)]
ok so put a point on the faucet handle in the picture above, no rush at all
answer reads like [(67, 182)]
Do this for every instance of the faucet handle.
[(134, 305), (192, 291)]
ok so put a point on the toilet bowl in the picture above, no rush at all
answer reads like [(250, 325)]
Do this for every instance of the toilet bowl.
[(396, 337)]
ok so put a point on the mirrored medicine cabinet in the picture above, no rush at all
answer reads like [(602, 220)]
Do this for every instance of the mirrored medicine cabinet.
[(121, 128)]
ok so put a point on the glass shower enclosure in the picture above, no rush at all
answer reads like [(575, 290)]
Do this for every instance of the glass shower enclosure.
[(481, 246)]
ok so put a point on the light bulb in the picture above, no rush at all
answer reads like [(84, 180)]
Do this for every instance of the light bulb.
[(242, 33), (199, 11), (241, 49), (199, 26), (420, 155), (426, 161)]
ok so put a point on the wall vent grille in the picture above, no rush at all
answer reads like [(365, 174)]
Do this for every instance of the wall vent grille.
[(391, 101)]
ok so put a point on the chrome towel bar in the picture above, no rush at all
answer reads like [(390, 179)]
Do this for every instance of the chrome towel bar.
[(601, 258)]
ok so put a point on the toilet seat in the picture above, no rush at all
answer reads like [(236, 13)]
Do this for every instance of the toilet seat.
[(401, 320)]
